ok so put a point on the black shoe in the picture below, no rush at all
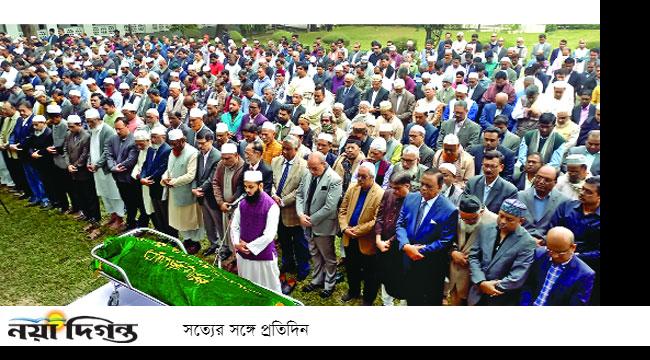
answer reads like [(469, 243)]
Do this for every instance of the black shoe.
[(225, 254), (32, 204), (339, 277), (187, 244), (347, 297), (311, 287), (23, 196), (211, 250), (326, 293)]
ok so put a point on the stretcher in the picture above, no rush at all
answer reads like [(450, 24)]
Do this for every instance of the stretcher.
[(114, 298)]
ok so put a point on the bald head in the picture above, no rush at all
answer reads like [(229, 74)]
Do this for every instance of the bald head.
[(501, 99), (560, 243)]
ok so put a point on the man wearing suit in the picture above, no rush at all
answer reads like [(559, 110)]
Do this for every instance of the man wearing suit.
[(491, 142), (524, 180), (426, 228), (355, 55), (317, 200), (288, 170), (557, 277), (270, 106), (357, 221), (472, 214), (591, 150), (585, 111), (490, 187), (575, 78), (541, 200), (467, 130), (506, 138), (500, 258), (402, 102), (349, 96), (197, 127), (297, 109), (253, 155), (416, 138), (385, 67), (491, 110), (121, 157), (589, 125), (202, 187), (153, 168), (420, 118), (475, 91), (375, 95)]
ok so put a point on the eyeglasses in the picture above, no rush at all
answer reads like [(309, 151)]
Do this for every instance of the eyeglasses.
[(363, 177), (543, 180), (551, 252)]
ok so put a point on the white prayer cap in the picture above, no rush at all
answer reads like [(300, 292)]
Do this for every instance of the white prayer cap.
[(53, 73), (377, 77), (38, 94), (253, 176), (327, 137), (92, 114), (74, 119), (426, 75), (196, 113), (399, 84), (431, 58), (191, 67), (206, 68), (74, 93), (175, 85), (39, 118), (125, 64), (461, 88), (39, 88), (118, 52), (53, 109), (192, 40), (371, 121), (411, 149), (87, 63), (338, 68), (144, 82), (364, 103), (451, 139), (235, 82), (338, 106), (576, 159), (175, 134), (148, 60), (473, 75), (159, 130), (385, 105), (386, 127), (268, 126), (392, 48), (174, 74), (31, 68), (312, 59), (109, 81), (448, 51), (221, 128), (297, 130), (559, 84), (132, 107), (418, 128), (90, 81), (420, 109), (449, 166), (506, 59), (76, 67), (141, 135), (9, 85), (154, 74), (369, 166), (379, 144), (460, 33), (430, 86), (213, 102), (124, 86), (69, 60), (19, 50), (228, 148)]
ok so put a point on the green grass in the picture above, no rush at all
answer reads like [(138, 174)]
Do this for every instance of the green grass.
[(45, 259)]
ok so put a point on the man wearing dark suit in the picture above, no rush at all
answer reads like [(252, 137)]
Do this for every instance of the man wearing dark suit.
[(375, 95), (426, 228), (175, 123), (475, 88), (386, 68), (541, 200), (356, 54), (575, 79), (202, 188), (349, 96), (589, 125), (270, 106), (500, 258), (491, 188), (253, 155), (121, 157), (557, 277), (468, 132), (416, 136), (557, 51), (153, 169), (491, 142), (490, 111), (296, 111), (585, 111), (402, 102), (197, 127)]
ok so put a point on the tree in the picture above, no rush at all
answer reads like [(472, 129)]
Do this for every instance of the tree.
[(28, 30), (434, 32)]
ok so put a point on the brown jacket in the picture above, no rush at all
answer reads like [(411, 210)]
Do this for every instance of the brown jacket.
[(464, 172), (366, 224), (297, 171), (217, 182)]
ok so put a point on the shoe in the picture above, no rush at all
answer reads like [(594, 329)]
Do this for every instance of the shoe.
[(366, 303), (46, 206), (288, 287), (110, 221), (194, 247), (326, 293), (118, 224), (23, 196), (311, 287), (211, 250), (347, 297), (339, 277), (80, 216), (225, 254)]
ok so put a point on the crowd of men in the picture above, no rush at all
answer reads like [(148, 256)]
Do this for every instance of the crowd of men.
[(465, 172)]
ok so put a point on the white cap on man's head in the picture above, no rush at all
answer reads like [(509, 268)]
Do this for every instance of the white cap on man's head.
[(327, 137), (451, 139), (399, 84), (418, 128), (196, 113), (175, 85), (378, 143), (425, 75), (124, 86), (109, 81), (159, 130), (228, 148), (268, 126), (213, 102), (132, 107), (175, 134), (73, 119), (53, 109), (297, 130), (39, 118), (92, 114), (450, 167), (74, 93), (221, 128), (141, 135), (461, 88), (253, 176), (386, 127)]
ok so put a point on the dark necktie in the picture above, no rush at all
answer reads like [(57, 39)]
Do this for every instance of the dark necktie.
[(283, 179), (418, 219), (345, 93), (310, 194)]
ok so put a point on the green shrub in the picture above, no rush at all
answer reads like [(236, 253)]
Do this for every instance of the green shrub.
[(551, 28), (236, 36), (400, 43), (333, 37), (277, 36)]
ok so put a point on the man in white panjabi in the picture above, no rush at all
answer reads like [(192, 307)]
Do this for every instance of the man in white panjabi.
[(256, 253), (105, 185), (184, 210), (143, 142)]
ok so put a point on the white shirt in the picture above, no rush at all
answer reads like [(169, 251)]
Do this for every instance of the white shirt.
[(374, 96), (427, 207), (458, 125), (258, 245)]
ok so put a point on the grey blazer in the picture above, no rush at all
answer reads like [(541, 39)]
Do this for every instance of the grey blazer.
[(468, 135), (500, 191), (204, 175), (510, 264), (426, 155), (539, 228), (511, 141), (324, 204), (121, 154), (105, 135), (595, 166)]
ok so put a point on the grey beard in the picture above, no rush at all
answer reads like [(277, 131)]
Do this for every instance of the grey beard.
[(155, 146), (468, 228)]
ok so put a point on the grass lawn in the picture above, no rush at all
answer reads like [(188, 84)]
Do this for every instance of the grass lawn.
[(45, 259), (366, 33)]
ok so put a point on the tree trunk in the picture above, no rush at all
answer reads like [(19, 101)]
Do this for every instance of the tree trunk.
[(28, 30)]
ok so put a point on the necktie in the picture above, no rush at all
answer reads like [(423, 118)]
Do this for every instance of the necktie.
[(345, 93), (310, 194), (418, 220), (285, 173)]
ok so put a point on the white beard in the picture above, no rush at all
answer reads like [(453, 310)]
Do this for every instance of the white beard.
[(464, 227)]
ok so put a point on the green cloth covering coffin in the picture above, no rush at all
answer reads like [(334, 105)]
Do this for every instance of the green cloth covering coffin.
[(175, 278)]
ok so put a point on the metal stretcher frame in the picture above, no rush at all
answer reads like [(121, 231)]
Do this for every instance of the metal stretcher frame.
[(114, 298)]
